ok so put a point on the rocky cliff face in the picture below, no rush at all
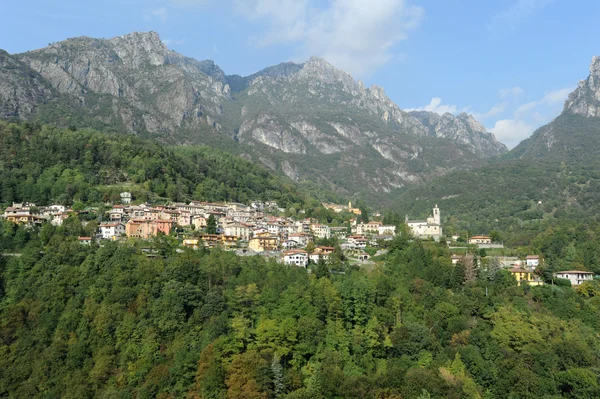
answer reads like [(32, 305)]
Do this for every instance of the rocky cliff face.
[(461, 129), (22, 90), (164, 87), (310, 121), (585, 100)]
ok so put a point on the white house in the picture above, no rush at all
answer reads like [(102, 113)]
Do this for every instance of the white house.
[(358, 242), (576, 277), (125, 198), (289, 244), (237, 229), (480, 240), (110, 231), (533, 261), (386, 230), (320, 230), (296, 257), (301, 238)]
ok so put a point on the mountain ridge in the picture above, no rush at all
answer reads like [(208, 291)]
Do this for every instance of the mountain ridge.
[(310, 121)]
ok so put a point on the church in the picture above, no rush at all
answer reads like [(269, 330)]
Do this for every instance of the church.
[(430, 228)]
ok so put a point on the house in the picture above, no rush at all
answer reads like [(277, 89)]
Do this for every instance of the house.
[(320, 230), (264, 243), (238, 230), (576, 277), (357, 242), (429, 228), (296, 257), (480, 240), (210, 240), (533, 261), (26, 219), (301, 238), (339, 232), (125, 197), (455, 259), (163, 225), (525, 276), (386, 230), (229, 241), (289, 244), (324, 250), (85, 240), (111, 231)]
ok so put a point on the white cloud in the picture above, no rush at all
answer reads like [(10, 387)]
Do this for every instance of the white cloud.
[(495, 110), (529, 116), (435, 105), (550, 99), (355, 35), (519, 12), (160, 13), (512, 131)]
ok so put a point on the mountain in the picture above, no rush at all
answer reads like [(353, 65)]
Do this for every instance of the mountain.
[(575, 132), (462, 128), (550, 177), (309, 121)]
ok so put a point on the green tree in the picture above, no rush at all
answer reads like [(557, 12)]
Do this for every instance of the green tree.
[(211, 225)]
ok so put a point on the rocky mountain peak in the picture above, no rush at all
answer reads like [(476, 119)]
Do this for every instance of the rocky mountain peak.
[(138, 48), (585, 99), (318, 68)]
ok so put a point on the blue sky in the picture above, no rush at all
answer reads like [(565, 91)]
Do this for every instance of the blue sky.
[(509, 62)]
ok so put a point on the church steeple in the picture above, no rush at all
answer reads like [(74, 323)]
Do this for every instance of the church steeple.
[(436, 215)]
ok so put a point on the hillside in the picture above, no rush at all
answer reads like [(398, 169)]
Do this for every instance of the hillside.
[(47, 164), (106, 321), (308, 121)]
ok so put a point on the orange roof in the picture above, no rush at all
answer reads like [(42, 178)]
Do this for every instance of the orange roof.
[(295, 252)]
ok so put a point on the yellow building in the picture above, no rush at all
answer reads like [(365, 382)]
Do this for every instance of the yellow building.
[(264, 243), (527, 276)]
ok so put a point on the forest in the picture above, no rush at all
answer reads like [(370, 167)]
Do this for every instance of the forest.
[(106, 321), (44, 164)]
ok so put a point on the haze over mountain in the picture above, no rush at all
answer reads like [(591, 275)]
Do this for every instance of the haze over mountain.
[(310, 121)]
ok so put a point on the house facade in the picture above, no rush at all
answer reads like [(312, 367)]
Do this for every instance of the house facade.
[(576, 277), (111, 231), (296, 257)]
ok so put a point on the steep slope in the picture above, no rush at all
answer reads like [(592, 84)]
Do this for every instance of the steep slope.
[(462, 128), (22, 90), (309, 121)]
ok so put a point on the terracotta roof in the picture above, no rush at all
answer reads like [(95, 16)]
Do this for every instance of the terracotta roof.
[(84, 238), (296, 252), (532, 257)]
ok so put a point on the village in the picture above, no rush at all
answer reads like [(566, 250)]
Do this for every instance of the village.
[(258, 229)]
